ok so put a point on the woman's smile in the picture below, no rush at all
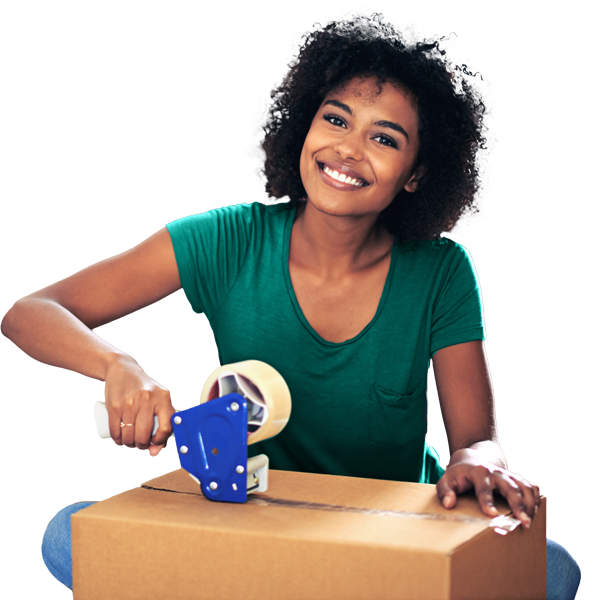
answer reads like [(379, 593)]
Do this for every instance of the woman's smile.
[(364, 140), (340, 176)]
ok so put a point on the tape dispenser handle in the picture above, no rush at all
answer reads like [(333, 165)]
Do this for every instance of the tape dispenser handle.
[(101, 416)]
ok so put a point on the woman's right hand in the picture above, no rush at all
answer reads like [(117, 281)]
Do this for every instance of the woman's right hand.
[(132, 399)]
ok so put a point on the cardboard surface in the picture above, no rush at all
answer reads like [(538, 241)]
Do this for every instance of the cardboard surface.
[(309, 537)]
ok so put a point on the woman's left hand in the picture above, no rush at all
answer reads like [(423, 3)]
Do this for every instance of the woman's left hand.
[(468, 470)]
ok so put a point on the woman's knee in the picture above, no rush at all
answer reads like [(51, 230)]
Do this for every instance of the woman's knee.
[(59, 528), (56, 545), (563, 573)]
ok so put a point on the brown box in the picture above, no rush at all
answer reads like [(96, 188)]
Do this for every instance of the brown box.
[(310, 537)]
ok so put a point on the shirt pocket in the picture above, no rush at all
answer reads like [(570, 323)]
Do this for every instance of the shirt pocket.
[(396, 419)]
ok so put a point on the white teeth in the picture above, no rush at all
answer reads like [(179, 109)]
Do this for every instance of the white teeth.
[(341, 177), (332, 173)]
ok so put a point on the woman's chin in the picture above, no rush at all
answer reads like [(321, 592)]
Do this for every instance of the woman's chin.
[(332, 209), (337, 207)]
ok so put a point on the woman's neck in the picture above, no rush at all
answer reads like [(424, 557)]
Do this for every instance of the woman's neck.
[(336, 246)]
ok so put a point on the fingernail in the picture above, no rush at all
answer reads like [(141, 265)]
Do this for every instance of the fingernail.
[(446, 501), (493, 509), (525, 520), (536, 509)]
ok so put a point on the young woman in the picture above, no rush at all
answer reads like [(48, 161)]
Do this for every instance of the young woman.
[(349, 289)]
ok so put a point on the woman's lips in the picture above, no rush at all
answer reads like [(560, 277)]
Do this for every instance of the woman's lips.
[(340, 177)]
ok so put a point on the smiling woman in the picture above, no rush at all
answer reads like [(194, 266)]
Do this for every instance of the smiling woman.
[(349, 289), (449, 127), (356, 143)]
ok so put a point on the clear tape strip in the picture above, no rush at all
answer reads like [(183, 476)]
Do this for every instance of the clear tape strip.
[(501, 525)]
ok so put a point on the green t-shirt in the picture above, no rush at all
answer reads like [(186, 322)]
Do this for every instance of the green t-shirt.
[(359, 408)]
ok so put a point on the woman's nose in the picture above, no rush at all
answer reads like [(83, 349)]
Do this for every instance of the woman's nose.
[(350, 146)]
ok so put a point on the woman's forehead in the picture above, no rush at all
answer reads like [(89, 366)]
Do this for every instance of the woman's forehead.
[(367, 89)]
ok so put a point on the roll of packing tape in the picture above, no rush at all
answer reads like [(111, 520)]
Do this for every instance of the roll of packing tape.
[(265, 391)]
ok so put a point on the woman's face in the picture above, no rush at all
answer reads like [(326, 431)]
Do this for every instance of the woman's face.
[(361, 148)]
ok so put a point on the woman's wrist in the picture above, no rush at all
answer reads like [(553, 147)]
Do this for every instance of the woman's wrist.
[(485, 451), (116, 359)]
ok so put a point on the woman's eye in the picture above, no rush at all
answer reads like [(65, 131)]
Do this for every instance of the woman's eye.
[(335, 120), (385, 140)]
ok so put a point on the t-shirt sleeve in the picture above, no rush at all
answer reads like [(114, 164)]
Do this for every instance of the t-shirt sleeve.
[(210, 249), (458, 309)]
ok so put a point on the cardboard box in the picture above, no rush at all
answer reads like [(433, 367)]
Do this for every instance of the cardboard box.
[(311, 537)]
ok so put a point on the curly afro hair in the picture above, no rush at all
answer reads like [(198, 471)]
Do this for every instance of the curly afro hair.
[(450, 119)]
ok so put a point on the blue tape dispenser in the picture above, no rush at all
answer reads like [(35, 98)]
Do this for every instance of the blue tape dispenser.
[(240, 404)]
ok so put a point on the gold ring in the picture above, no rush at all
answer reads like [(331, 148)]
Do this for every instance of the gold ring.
[(126, 424)]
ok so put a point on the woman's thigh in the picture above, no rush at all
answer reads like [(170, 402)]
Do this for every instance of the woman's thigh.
[(56, 545), (562, 575)]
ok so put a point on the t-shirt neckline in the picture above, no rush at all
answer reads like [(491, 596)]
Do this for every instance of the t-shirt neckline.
[(287, 233)]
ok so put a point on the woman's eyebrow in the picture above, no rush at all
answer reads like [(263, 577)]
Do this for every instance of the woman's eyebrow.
[(388, 124), (341, 105), (394, 126)]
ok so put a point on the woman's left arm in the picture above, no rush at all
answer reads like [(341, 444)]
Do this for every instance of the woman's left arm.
[(476, 460)]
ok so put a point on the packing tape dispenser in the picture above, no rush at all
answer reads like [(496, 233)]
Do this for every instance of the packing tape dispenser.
[(241, 403)]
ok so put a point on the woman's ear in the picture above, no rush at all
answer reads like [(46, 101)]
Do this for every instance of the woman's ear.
[(413, 183)]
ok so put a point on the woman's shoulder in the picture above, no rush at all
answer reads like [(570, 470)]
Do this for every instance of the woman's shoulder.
[(244, 213), (262, 211), (437, 257), (441, 247), (272, 210)]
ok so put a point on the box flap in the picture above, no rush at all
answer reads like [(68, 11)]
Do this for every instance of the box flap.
[(349, 509)]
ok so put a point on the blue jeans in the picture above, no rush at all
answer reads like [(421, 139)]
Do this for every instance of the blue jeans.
[(562, 577)]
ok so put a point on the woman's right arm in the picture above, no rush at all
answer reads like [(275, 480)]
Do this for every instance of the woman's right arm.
[(55, 326)]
